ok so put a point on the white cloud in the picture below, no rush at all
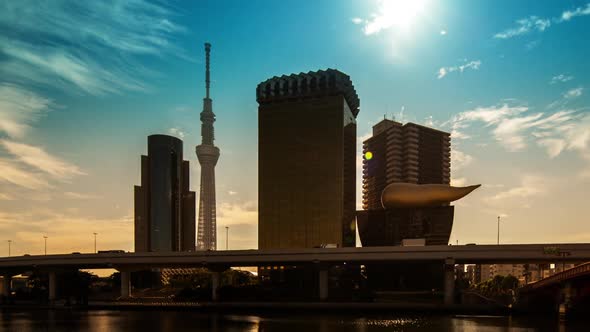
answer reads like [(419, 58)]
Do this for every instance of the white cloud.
[(443, 32), (460, 160), (6, 197), (38, 158), (531, 185), (554, 146), (177, 132), (357, 20), (525, 26), (458, 182), (535, 23), (561, 78), (443, 71), (11, 172), (19, 108), (75, 195), (573, 93), (511, 125), (580, 11)]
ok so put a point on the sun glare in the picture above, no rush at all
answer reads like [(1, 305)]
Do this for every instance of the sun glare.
[(400, 14)]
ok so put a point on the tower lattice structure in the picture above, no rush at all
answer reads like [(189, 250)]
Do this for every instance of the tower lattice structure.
[(208, 154)]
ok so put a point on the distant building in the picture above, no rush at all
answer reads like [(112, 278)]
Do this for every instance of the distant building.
[(408, 153), (515, 270), (307, 160), (164, 205)]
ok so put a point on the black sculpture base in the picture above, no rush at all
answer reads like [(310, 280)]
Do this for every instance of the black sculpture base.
[(389, 228)]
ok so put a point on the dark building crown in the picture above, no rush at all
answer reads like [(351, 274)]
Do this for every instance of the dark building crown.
[(328, 82)]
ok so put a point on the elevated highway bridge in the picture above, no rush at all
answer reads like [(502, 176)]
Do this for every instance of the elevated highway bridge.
[(321, 257)]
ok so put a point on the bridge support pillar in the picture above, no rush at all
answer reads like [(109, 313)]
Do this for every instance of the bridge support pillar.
[(5, 286), (566, 298), (52, 286), (214, 285), (125, 284), (449, 281), (323, 284)]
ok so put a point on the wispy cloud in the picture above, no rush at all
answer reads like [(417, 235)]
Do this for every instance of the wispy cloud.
[(573, 93), (511, 125), (443, 71), (41, 160), (19, 108), (11, 172), (561, 78), (580, 11), (87, 45), (82, 196), (530, 185), (524, 26), (540, 24)]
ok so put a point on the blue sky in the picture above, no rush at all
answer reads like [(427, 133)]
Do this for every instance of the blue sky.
[(82, 84)]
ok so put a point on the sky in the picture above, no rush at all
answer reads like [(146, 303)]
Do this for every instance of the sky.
[(83, 83)]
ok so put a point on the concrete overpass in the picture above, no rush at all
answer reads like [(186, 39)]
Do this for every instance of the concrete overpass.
[(322, 257)]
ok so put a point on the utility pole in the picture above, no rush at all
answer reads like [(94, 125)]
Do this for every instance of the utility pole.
[(226, 237), (45, 238), (9, 243), (95, 242), (498, 230)]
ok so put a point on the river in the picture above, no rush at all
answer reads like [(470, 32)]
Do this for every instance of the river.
[(148, 320)]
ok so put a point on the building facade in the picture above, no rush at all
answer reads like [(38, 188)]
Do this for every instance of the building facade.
[(207, 154), (408, 153), (164, 204), (306, 160)]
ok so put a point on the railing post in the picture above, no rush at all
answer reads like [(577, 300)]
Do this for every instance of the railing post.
[(214, 285), (52, 286), (323, 283)]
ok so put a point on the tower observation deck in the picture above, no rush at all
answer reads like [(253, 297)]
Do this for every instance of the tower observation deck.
[(208, 154)]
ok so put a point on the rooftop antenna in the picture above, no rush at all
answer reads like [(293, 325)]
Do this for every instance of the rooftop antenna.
[(207, 51)]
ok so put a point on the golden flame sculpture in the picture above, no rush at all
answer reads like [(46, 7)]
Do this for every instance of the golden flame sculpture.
[(409, 195)]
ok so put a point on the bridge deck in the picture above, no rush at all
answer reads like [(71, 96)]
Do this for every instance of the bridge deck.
[(514, 253)]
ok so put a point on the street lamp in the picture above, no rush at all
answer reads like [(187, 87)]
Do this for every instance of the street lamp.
[(226, 237), (9, 243), (95, 242), (45, 238), (498, 230)]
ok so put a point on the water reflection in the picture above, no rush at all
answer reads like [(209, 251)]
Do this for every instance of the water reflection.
[(111, 321)]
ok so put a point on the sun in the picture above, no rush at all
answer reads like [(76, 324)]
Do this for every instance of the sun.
[(403, 13), (399, 14)]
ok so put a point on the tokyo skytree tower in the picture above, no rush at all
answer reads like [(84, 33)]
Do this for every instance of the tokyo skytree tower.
[(208, 154)]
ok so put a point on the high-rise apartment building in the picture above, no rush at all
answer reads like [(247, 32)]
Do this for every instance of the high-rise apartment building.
[(408, 153), (164, 204), (306, 160)]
